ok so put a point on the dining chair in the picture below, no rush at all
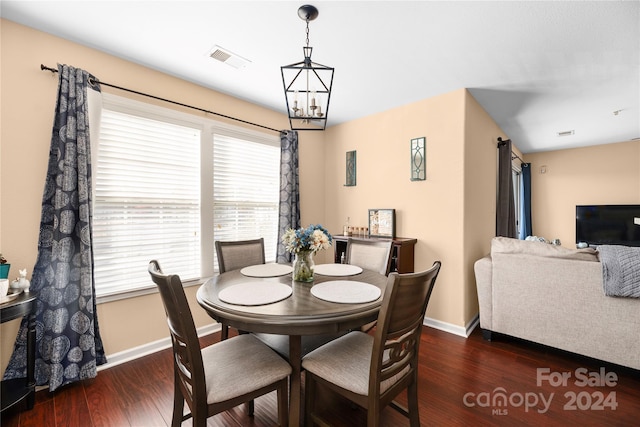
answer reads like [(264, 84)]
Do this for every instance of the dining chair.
[(371, 370), (370, 254), (222, 375), (234, 255)]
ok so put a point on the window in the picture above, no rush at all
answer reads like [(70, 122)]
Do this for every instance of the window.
[(246, 183), (167, 184)]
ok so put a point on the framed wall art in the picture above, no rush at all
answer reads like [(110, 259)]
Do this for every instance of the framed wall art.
[(382, 223), (350, 176), (418, 159)]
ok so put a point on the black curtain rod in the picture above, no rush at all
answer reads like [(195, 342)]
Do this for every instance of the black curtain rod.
[(53, 70), (513, 155)]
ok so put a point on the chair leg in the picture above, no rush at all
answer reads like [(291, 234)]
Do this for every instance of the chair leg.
[(373, 418), (412, 403), (283, 403), (309, 398), (224, 331), (178, 405)]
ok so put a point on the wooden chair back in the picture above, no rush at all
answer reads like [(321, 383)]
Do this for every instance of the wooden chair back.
[(397, 338), (370, 254), (187, 358), (234, 255), (265, 371)]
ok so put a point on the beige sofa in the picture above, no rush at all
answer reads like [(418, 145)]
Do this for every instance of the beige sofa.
[(554, 296)]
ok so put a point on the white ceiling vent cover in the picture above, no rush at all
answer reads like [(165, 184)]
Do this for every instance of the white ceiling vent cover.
[(223, 55), (565, 133)]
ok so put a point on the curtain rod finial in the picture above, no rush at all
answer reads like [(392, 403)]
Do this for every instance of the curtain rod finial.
[(45, 68)]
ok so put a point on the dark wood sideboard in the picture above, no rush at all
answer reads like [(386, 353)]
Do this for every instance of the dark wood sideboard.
[(17, 390), (402, 258)]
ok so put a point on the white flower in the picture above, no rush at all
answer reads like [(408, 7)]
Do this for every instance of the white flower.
[(312, 238)]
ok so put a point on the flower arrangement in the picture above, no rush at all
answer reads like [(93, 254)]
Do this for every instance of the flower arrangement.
[(304, 243), (313, 238)]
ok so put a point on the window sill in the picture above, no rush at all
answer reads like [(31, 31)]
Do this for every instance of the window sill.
[(151, 289)]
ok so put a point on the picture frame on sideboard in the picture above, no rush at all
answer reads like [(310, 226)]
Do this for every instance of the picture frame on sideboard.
[(382, 223)]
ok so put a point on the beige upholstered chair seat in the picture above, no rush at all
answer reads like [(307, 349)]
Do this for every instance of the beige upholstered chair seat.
[(346, 362), (245, 353)]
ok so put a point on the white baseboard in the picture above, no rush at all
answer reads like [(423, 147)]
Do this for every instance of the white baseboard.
[(149, 348), (451, 328), (155, 346)]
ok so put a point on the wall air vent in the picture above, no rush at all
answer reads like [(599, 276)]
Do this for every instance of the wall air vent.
[(565, 133), (223, 55)]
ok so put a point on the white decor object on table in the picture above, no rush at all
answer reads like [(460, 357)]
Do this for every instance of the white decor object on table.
[(258, 292), (267, 270), (337, 269), (346, 291), (21, 283)]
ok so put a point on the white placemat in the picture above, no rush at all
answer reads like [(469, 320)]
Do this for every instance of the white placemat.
[(337, 269), (267, 270), (346, 291), (255, 293)]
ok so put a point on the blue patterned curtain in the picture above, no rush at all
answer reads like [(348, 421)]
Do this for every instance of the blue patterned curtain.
[(68, 343), (289, 190), (525, 202)]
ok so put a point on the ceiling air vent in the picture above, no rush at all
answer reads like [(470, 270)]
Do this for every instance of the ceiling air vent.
[(565, 133), (228, 57)]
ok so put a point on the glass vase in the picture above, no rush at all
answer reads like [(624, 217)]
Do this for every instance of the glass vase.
[(303, 266)]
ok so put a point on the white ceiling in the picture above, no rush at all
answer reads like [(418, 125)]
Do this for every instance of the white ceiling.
[(537, 68)]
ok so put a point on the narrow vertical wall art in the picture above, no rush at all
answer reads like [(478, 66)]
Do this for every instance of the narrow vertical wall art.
[(418, 159), (350, 180)]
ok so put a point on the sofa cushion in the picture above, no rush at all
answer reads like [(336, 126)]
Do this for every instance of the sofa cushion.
[(505, 245)]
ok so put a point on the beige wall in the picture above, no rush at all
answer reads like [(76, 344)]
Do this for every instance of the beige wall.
[(450, 213), (28, 99), (604, 174), (480, 177)]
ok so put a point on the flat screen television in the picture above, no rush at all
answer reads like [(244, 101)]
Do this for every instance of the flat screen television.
[(608, 225)]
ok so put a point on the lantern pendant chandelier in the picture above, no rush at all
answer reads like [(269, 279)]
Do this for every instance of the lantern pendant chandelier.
[(307, 85)]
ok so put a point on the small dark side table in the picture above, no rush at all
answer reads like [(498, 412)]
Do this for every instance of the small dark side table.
[(16, 390)]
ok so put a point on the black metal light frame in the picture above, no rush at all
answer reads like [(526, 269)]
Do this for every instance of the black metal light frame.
[(307, 85)]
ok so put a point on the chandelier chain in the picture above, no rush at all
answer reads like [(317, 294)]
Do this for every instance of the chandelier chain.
[(307, 32)]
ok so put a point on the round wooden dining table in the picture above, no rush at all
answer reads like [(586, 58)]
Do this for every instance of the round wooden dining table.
[(300, 314)]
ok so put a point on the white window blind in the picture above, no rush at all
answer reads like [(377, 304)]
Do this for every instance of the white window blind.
[(147, 201), (246, 183)]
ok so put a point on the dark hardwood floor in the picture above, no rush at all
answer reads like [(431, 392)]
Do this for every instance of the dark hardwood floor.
[(463, 382)]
